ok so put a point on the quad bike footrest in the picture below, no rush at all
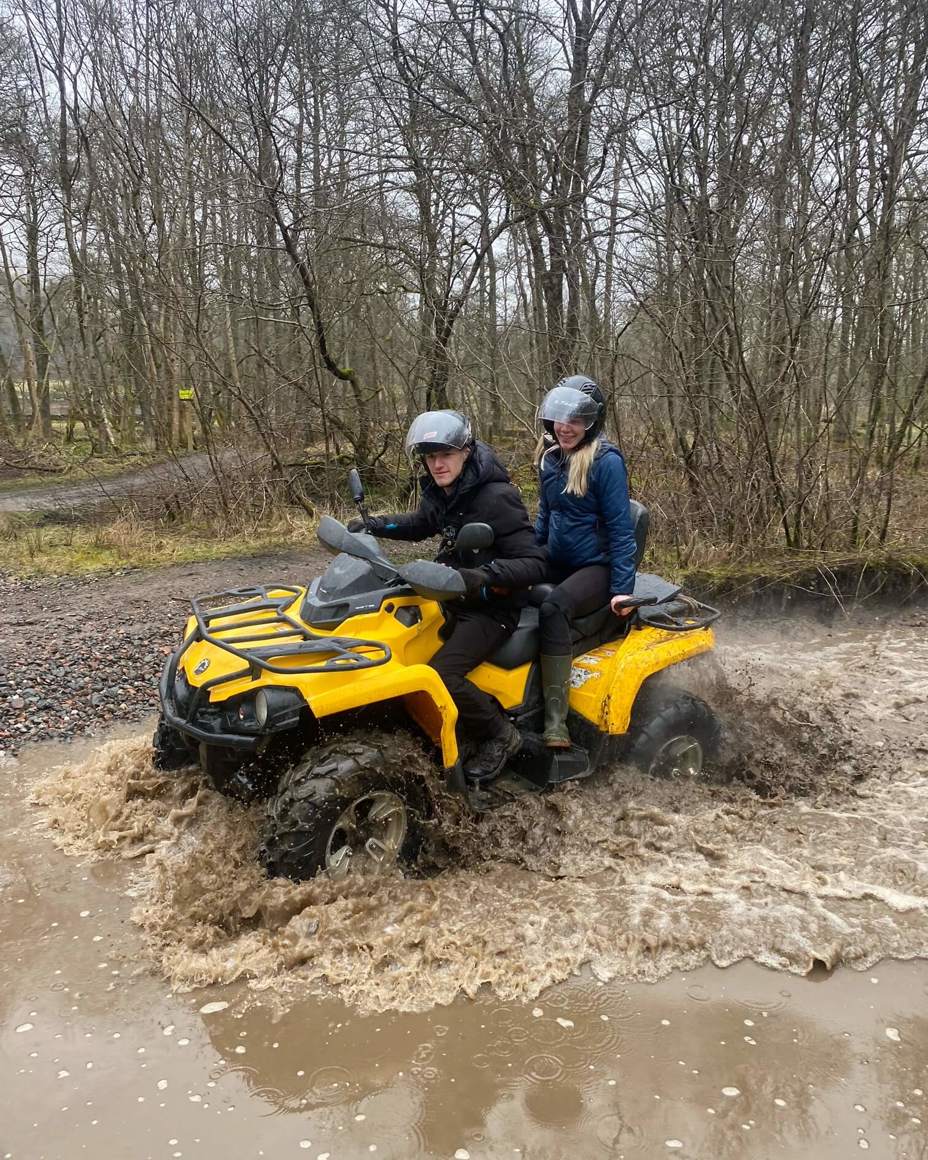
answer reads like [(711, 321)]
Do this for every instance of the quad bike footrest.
[(542, 766)]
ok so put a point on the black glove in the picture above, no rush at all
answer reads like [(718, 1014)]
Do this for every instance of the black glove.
[(356, 525), (474, 581)]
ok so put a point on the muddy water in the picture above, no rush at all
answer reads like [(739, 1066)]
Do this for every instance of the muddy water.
[(336, 1020)]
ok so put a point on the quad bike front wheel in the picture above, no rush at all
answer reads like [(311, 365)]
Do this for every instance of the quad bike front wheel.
[(170, 749), (354, 806), (674, 734)]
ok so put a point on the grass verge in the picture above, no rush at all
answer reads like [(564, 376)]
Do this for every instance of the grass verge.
[(34, 548)]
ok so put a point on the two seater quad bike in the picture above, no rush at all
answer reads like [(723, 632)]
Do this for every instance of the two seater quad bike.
[(308, 697)]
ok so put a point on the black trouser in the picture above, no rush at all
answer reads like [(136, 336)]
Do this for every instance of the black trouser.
[(474, 637), (577, 594)]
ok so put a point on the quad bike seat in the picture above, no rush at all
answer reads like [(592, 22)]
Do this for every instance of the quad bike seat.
[(587, 632)]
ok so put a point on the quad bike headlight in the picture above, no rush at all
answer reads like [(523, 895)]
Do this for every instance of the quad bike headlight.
[(277, 708)]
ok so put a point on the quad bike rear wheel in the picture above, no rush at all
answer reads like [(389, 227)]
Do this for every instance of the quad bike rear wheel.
[(170, 749), (351, 807), (674, 734)]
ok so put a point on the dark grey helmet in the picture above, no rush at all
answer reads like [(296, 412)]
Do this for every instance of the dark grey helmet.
[(576, 399), (439, 431)]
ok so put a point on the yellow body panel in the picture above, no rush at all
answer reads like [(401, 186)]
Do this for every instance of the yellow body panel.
[(405, 675), (506, 685), (606, 680)]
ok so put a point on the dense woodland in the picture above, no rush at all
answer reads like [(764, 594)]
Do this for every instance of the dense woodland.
[(322, 216)]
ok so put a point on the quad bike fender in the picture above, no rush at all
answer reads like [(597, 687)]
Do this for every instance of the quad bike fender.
[(424, 695), (605, 682)]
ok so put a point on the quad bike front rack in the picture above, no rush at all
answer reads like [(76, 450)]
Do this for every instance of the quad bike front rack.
[(275, 637), (279, 627)]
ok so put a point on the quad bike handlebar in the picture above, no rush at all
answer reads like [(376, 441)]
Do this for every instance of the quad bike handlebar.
[(431, 580)]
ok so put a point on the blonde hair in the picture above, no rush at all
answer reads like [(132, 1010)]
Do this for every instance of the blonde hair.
[(579, 463)]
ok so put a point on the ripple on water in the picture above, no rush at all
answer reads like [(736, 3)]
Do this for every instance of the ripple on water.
[(543, 1067), (328, 1085)]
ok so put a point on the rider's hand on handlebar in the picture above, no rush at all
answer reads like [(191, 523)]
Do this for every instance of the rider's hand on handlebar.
[(356, 525), (617, 603), (474, 580)]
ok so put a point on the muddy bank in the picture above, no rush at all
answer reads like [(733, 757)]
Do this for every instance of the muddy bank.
[(811, 853), (826, 588)]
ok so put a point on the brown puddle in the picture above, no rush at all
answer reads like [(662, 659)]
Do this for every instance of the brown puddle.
[(612, 881)]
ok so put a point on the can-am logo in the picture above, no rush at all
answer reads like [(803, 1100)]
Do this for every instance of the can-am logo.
[(201, 667)]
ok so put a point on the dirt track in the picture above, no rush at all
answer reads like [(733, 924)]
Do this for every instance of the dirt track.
[(98, 492)]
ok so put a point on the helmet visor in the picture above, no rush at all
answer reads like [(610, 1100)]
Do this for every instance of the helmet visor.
[(438, 431), (568, 405)]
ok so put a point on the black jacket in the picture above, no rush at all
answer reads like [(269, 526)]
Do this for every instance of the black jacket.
[(482, 494)]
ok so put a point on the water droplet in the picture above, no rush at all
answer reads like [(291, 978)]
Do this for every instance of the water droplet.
[(212, 1008), (462, 1154), (23, 1027), (673, 1143), (893, 1034), (731, 1091)]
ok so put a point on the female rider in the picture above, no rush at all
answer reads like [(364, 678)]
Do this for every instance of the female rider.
[(465, 483), (585, 521)]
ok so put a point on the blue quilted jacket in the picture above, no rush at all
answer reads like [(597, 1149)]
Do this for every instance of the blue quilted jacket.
[(592, 529)]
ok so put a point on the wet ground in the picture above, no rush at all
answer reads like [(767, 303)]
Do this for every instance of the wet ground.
[(624, 968)]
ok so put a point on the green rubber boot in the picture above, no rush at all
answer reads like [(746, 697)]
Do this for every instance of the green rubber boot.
[(555, 684)]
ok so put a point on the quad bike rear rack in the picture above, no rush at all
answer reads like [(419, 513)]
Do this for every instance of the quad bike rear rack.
[(184, 703), (679, 614)]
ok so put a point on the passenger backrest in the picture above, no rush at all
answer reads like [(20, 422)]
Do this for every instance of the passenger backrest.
[(641, 518)]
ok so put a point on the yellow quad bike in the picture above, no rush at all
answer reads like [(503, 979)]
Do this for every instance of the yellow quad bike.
[(308, 696)]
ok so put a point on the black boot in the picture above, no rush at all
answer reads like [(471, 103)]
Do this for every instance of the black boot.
[(555, 684), (492, 755)]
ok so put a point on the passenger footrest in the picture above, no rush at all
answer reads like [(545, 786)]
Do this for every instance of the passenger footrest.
[(542, 766)]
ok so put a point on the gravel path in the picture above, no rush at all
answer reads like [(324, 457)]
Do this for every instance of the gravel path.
[(79, 654)]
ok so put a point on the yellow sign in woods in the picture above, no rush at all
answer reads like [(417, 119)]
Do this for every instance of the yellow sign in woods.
[(185, 393)]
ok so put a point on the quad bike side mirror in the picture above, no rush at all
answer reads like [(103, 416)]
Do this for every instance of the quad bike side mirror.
[(357, 494), (472, 537), (356, 486)]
